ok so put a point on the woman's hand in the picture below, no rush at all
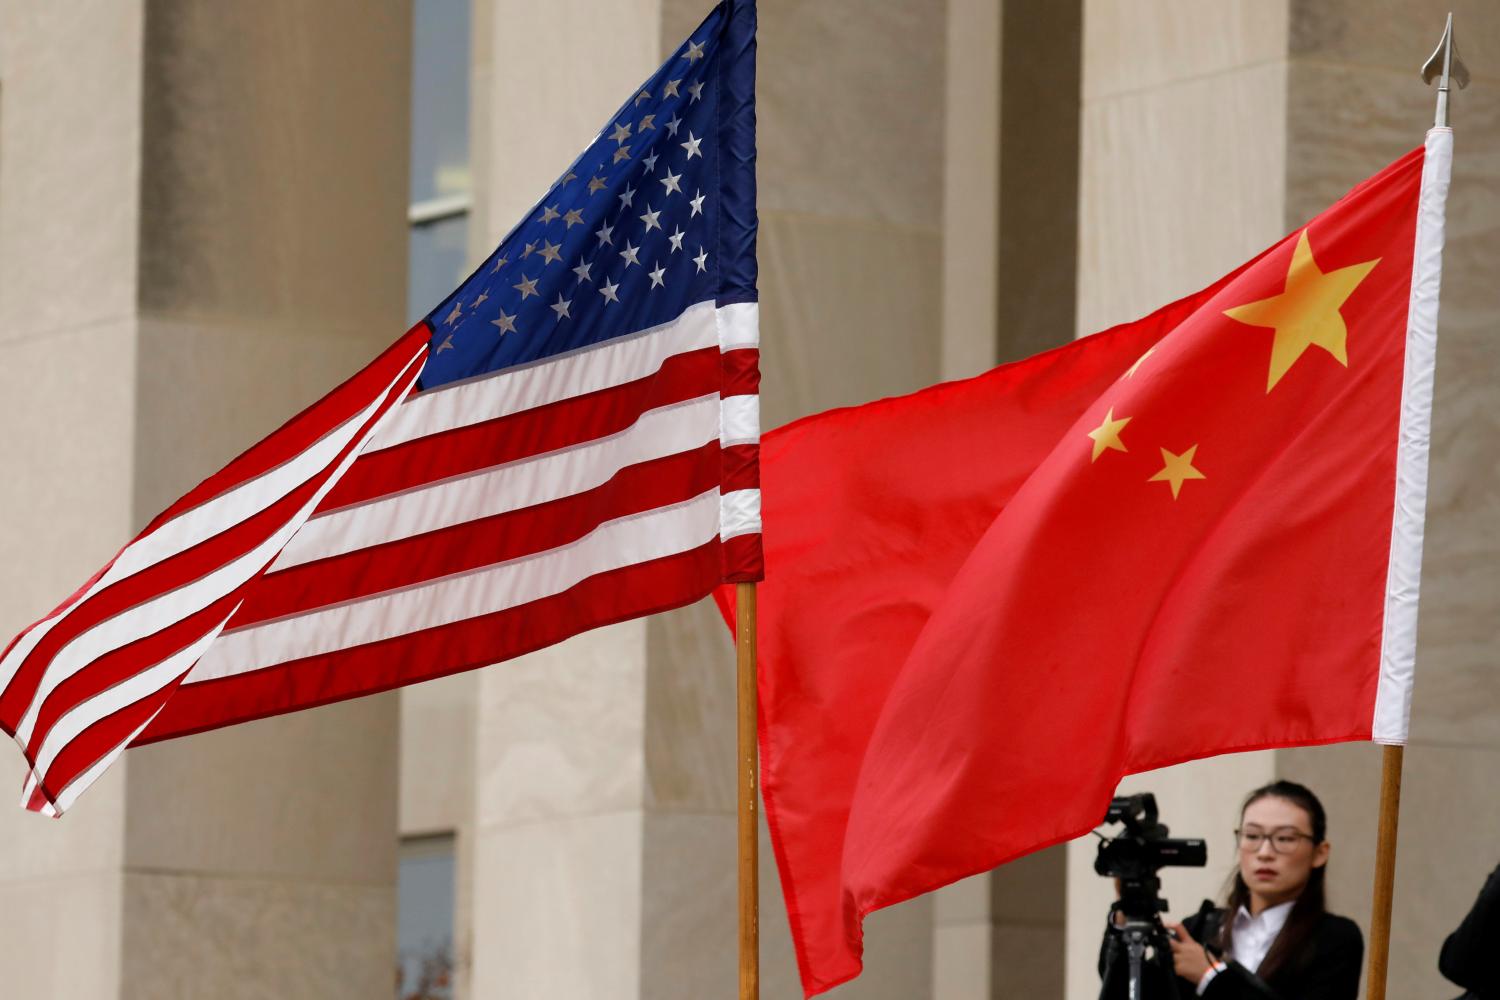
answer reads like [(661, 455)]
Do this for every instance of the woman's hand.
[(1188, 958)]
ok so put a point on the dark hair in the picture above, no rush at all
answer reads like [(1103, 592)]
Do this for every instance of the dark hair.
[(1288, 948)]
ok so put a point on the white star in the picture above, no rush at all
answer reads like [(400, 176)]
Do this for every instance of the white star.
[(670, 90), (650, 219), (692, 145), (672, 126), (629, 255), (644, 95), (583, 270), (446, 345), (452, 316), (550, 251), (596, 183), (549, 213), (506, 323), (573, 218), (527, 287), (621, 133), (483, 297), (676, 239), (656, 277), (626, 197), (650, 162), (561, 307), (603, 234), (530, 248), (623, 153), (670, 182), (499, 263), (697, 204), (647, 122), (696, 89), (608, 291), (702, 259), (694, 52)]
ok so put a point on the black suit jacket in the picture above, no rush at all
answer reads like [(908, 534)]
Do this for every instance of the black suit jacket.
[(1326, 967), (1468, 956)]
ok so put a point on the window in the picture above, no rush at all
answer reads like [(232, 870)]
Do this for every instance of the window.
[(441, 188), (424, 922)]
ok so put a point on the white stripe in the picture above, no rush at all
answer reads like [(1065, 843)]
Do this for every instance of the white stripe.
[(624, 542), (1398, 643), (740, 420), (166, 609), (612, 363), (204, 521), (153, 679), (739, 513), (657, 433), (739, 325)]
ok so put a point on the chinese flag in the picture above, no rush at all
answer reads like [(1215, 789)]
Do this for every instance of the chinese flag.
[(1194, 534)]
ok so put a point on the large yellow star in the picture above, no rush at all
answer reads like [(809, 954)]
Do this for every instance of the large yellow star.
[(1177, 470), (1107, 434), (1307, 312)]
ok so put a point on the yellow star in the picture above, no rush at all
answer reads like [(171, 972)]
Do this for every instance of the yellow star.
[(1177, 469), (1140, 361), (1307, 312), (1107, 434)]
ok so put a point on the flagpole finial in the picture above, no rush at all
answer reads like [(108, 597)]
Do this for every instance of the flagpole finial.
[(1446, 67)]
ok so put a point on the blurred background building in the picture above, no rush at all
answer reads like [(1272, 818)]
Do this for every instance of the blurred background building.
[(211, 213)]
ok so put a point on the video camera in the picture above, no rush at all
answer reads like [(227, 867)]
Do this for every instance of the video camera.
[(1143, 848)]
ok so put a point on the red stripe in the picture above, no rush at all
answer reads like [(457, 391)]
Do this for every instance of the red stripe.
[(37, 799), (302, 431), (743, 562), (640, 589), (520, 435), (176, 571), (741, 465), (481, 542), (741, 372)]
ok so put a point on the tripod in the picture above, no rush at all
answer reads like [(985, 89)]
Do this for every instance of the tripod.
[(1137, 934)]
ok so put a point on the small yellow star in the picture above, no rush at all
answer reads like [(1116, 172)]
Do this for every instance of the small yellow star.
[(1307, 312), (1177, 470), (1107, 434), (1140, 361)]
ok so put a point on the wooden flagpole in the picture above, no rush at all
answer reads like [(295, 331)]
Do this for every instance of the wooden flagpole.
[(749, 849), (1385, 871)]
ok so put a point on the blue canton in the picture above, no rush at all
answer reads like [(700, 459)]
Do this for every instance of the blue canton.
[(624, 241)]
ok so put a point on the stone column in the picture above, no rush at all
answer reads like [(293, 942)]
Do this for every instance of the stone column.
[(70, 127), (1010, 203), (260, 859), (201, 232), (605, 829)]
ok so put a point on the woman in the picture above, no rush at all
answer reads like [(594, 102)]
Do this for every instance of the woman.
[(1274, 939)]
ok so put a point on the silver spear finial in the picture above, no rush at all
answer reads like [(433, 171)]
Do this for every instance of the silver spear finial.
[(1445, 66)]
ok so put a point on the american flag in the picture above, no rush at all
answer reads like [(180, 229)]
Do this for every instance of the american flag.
[(569, 439)]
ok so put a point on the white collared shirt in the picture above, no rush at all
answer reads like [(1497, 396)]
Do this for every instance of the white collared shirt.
[(1253, 937)]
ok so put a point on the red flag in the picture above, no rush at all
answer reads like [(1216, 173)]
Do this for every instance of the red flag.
[(1194, 534)]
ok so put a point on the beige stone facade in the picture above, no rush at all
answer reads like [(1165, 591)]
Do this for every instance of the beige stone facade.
[(203, 227)]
